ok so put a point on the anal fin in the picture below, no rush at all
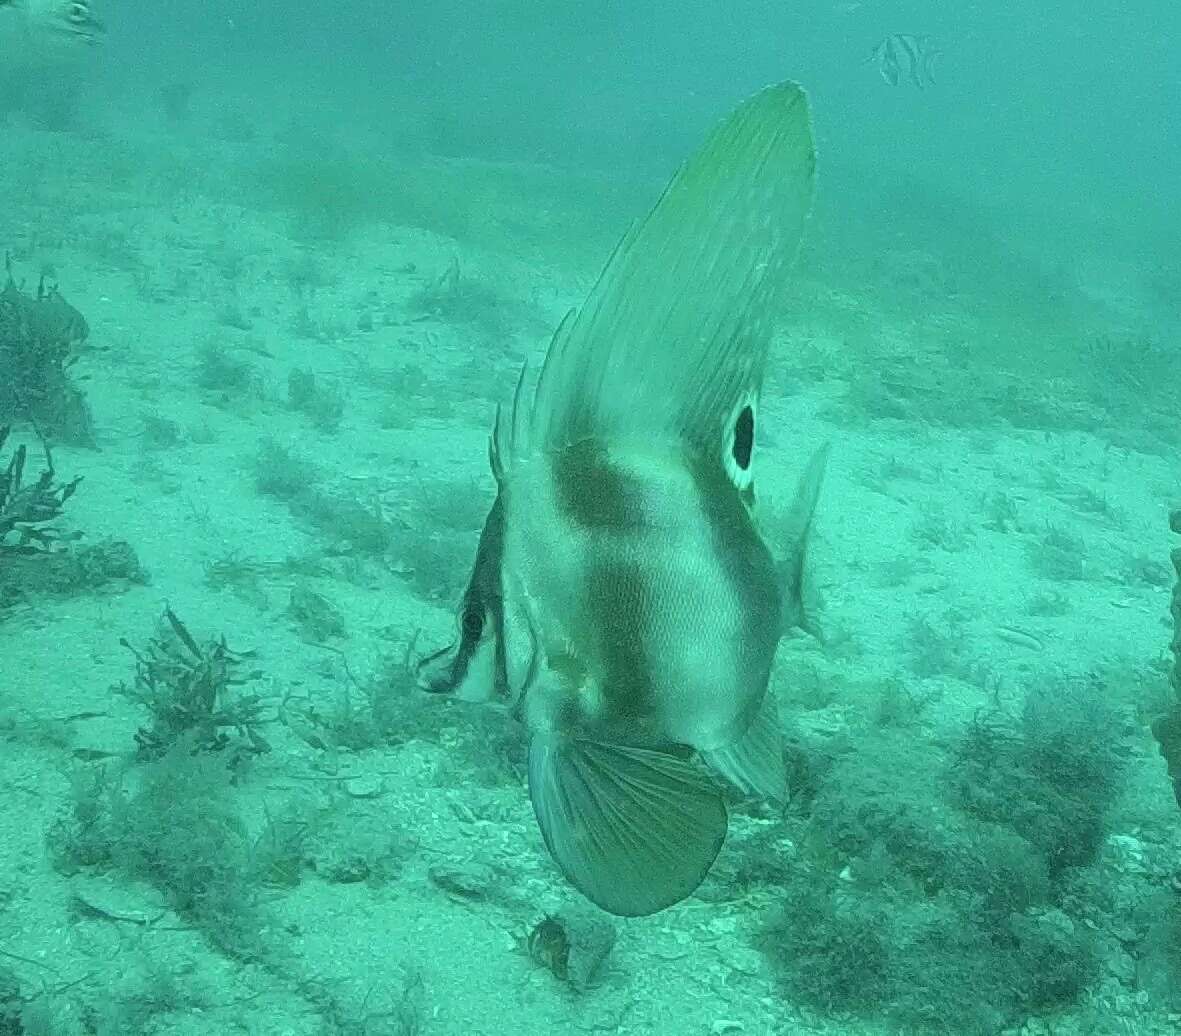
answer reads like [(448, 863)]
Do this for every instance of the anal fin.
[(754, 763)]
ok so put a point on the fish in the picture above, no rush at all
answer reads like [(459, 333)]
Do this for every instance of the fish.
[(623, 604), (902, 56), (45, 46), (41, 22)]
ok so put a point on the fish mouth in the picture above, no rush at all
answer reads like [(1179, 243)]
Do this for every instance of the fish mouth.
[(436, 672)]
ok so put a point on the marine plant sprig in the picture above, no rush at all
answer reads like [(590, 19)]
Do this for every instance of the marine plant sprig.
[(26, 510), (41, 337), (188, 690)]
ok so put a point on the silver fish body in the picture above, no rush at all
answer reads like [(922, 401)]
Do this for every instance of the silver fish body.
[(616, 557), (623, 599)]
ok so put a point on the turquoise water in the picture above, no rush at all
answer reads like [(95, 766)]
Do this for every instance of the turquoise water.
[(274, 267)]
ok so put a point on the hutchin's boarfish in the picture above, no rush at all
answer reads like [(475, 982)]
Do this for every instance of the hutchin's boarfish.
[(622, 599), (39, 22), (903, 57)]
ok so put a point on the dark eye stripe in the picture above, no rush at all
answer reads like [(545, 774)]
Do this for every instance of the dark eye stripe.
[(472, 623)]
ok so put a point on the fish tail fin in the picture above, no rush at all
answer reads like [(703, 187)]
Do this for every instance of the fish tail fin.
[(634, 830), (793, 569)]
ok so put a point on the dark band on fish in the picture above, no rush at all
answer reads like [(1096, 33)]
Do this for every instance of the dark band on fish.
[(481, 616), (594, 492), (745, 560), (598, 496), (621, 610)]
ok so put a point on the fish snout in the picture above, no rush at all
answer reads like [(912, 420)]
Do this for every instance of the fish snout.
[(435, 672)]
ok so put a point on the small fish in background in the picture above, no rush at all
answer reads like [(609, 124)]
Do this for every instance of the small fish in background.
[(45, 48), (902, 56), (48, 20), (623, 601)]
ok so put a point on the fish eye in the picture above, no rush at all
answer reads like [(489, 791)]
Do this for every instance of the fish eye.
[(744, 438), (79, 12)]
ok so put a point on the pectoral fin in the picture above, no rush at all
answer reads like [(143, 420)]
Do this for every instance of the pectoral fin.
[(634, 830)]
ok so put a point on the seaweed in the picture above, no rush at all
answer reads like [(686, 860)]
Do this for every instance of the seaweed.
[(159, 432), (279, 853), (347, 723), (226, 377), (397, 1006), (1166, 728), (327, 193), (315, 617), (455, 298), (174, 823), (11, 1004), (936, 649), (322, 403), (278, 472), (27, 510), (351, 843), (188, 690), (912, 902), (41, 337), (335, 835), (1175, 557), (360, 526), (1058, 556), (35, 557), (1051, 777), (68, 573), (246, 577), (927, 965)]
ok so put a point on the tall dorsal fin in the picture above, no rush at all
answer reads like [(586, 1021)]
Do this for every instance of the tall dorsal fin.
[(674, 336)]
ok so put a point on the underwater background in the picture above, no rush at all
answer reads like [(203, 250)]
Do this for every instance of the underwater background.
[(273, 266)]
